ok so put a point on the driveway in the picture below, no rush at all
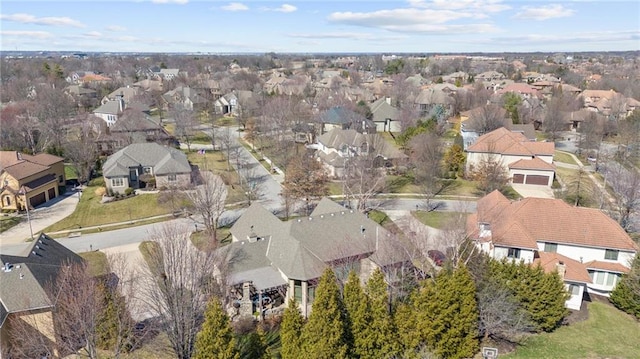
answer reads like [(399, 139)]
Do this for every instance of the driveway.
[(41, 218), (533, 191)]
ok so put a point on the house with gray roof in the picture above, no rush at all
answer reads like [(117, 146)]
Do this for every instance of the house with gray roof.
[(288, 257), (385, 116), (135, 165), (342, 118), (26, 275), (337, 146)]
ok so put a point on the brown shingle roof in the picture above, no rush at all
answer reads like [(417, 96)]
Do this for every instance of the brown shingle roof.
[(44, 159), (574, 270), (24, 169), (551, 220), (608, 266), (533, 164), (505, 142)]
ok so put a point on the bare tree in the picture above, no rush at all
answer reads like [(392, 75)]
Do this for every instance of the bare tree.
[(177, 283), (186, 123), (625, 185), (426, 156), (82, 150), (490, 174), (364, 175), (305, 179), (208, 200), (52, 108), (488, 118), (500, 315)]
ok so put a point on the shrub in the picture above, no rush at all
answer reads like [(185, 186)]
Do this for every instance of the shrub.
[(128, 191), (99, 181)]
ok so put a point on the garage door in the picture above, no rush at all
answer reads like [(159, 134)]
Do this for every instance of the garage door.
[(518, 178), (537, 179), (37, 199), (52, 193)]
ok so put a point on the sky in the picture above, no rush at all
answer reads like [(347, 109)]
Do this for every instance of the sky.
[(330, 26)]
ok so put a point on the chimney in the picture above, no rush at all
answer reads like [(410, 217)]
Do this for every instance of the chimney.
[(561, 268), (120, 99), (388, 99)]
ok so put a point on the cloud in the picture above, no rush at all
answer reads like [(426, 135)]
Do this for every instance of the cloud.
[(115, 28), (48, 21), (485, 6), (286, 8), (93, 34), (235, 6), (180, 2), (544, 12), (333, 35), (32, 34)]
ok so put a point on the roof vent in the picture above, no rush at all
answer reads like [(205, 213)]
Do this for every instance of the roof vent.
[(310, 218), (298, 220), (333, 214), (21, 275), (8, 267), (322, 216)]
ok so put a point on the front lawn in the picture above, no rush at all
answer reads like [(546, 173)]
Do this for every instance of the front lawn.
[(435, 219), (202, 241), (216, 162), (608, 333), (90, 212), (564, 157), (8, 222), (70, 172), (97, 263)]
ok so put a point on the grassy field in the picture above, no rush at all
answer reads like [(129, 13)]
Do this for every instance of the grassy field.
[(435, 219), (90, 212), (8, 222), (560, 156), (96, 262), (202, 241), (608, 333), (70, 172)]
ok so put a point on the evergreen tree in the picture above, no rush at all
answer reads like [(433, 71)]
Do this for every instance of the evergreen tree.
[(451, 328), (325, 334), (290, 332), (542, 295), (626, 295), (359, 317), (381, 328), (215, 339)]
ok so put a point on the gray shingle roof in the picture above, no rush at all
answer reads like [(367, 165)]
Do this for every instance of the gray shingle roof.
[(110, 108), (164, 160), (382, 110)]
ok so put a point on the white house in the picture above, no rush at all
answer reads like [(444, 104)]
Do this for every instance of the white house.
[(529, 162), (531, 228)]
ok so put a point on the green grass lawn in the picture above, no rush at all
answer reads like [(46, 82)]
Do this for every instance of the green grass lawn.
[(608, 333), (401, 184), (90, 212), (96, 263), (435, 219), (70, 172), (8, 222), (560, 156), (461, 187), (202, 241), (335, 188)]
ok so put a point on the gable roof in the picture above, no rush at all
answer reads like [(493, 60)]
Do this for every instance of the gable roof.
[(302, 248), (336, 138), (340, 116), (164, 160), (382, 110), (574, 270), (548, 220), (532, 164), (34, 266), (20, 165), (505, 142)]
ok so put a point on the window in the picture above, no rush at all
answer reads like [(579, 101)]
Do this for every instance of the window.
[(7, 201), (311, 294), (611, 254), (599, 278), (513, 253), (171, 178), (551, 247), (60, 179), (574, 289), (117, 182), (297, 291)]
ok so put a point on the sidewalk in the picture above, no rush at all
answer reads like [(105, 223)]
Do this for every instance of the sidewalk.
[(41, 218)]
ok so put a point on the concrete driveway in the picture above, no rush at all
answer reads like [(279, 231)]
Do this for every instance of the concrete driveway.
[(533, 191), (41, 218)]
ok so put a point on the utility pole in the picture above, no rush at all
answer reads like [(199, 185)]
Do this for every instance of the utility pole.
[(23, 191)]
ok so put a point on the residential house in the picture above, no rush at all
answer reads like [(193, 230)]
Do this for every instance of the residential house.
[(436, 101), (342, 118), (184, 97), (549, 231), (385, 116), (124, 169), (126, 93), (134, 126), (33, 179), (528, 162), (286, 259), (472, 122), (26, 287), (169, 74), (232, 103), (110, 111), (338, 146), (525, 91), (489, 76)]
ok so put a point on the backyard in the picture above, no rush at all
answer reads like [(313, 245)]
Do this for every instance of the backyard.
[(607, 333)]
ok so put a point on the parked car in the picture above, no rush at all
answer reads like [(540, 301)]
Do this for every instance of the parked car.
[(437, 257)]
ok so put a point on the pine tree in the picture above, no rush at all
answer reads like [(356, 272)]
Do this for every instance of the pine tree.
[(325, 334), (290, 332), (215, 339), (359, 318), (382, 331), (451, 328), (626, 295)]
